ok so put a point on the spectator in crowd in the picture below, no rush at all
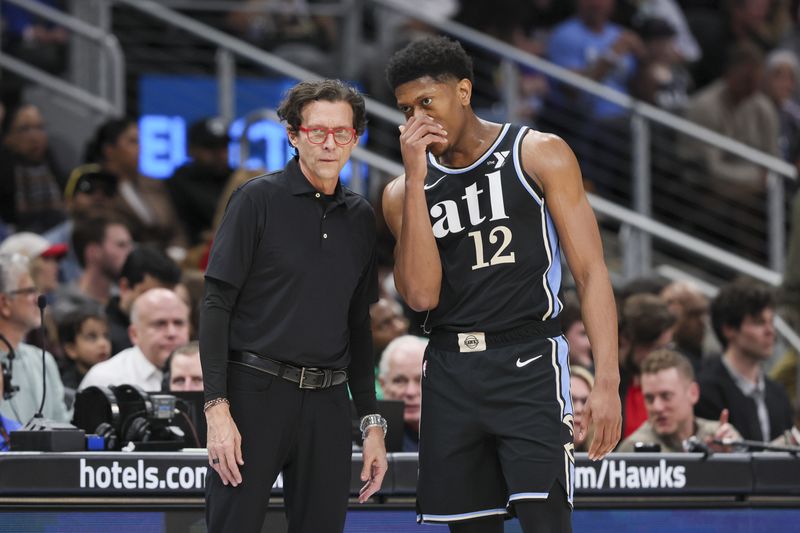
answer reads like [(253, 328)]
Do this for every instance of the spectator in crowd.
[(670, 12), (580, 349), (159, 324), (293, 34), (661, 77), (19, 314), (83, 334), (88, 189), (30, 184), (653, 284), (102, 242), (734, 106), (720, 24), (670, 394), (690, 307), (183, 371), (32, 39), (591, 45), (762, 23), (145, 268), (400, 376), (742, 316), (43, 258), (7, 425), (387, 323), (196, 186), (527, 26), (645, 326), (780, 86), (581, 383), (143, 201)]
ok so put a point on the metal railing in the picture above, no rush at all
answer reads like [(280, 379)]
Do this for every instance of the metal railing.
[(230, 46), (111, 69), (643, 115)]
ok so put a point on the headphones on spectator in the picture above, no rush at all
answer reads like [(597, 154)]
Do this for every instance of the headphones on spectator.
[(8, 388)]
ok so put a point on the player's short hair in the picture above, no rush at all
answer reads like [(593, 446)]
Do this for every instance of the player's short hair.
[(438, 57), (737, 300), (664, 359), (330, 90)]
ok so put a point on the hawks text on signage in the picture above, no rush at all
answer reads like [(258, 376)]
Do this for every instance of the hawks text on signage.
[(616, 474)]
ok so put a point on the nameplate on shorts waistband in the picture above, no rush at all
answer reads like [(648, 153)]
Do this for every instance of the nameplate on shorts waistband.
[(474, 341)]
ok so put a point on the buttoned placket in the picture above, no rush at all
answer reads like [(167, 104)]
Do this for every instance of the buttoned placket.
[(327, 207)]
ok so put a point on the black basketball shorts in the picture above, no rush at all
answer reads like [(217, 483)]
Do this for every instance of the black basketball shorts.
[(496, 428)]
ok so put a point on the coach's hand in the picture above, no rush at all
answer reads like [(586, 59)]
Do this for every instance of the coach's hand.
[(603, 409), (224, 444), (375, 463)]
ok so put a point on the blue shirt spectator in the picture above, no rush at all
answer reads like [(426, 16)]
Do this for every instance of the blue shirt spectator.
[(576, 46)]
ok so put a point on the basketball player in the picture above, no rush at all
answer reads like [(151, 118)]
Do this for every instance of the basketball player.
[(480, 216)]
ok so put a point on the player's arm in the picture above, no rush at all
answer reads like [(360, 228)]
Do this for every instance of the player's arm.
[(418, 268), (551, 162)]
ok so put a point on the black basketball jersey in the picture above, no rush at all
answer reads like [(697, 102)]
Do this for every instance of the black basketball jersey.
[(501, 261)]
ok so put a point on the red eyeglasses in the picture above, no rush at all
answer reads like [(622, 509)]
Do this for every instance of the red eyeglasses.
[(318, 134)]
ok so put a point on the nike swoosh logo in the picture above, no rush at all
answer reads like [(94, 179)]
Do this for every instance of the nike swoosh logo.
[(520, 364), (432, 185)]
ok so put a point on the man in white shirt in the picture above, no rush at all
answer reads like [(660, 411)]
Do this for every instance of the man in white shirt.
[(159, 324)]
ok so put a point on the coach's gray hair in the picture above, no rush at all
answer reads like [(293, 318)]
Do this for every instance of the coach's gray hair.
[(401, 342), (12, 268)]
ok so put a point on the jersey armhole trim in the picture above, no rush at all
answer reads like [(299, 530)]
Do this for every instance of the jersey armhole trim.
[(525, 179)]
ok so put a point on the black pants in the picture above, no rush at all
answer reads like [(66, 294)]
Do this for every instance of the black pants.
[(306, 434)]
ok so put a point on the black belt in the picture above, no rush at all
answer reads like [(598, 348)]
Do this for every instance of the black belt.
[(305, 377), (478, 341)]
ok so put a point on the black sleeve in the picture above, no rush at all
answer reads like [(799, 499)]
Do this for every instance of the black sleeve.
[(238, 237), (710, 404), (214, 326), (362, 361)]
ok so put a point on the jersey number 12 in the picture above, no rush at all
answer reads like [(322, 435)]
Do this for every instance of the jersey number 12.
[(498, 233)]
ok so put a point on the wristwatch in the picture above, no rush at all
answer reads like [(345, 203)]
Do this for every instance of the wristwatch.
[(373, 420)]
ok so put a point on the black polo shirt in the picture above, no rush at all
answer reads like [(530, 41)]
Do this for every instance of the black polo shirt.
[(302, 265)]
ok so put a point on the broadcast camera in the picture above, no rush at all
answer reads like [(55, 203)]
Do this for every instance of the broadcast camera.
[(126, 416)]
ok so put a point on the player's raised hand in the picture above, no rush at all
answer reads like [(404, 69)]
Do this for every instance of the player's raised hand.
[(416, 135)]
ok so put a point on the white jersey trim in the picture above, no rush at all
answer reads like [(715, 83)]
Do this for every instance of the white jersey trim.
[(480, 160), (528, 496), (444, 518)]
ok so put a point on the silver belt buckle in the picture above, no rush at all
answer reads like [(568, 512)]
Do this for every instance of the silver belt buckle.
[(473, 341), (301, 384)]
